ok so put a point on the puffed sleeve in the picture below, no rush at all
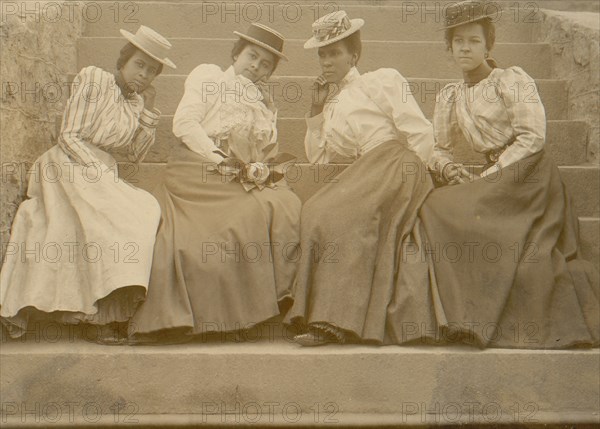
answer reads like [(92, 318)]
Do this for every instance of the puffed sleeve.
[(201, 90), (444, 126), (145, 134), (391, 92), (315, 145), (526, 113), (89, 94)]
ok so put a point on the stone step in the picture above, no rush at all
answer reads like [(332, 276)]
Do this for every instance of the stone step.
[(277, 383), (589, 233), (416, 58), (566, 141), (293, 94), (583, 183), (408, 20), (587, 5)]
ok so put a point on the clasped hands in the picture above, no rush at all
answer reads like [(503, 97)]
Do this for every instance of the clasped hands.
[(454, 173)]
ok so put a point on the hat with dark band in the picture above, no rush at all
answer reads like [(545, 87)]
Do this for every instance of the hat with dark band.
[(150, 42), (265, 37), (469, 11), (331, 28)]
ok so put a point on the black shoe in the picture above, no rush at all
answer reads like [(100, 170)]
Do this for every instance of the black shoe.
[(313, 339)]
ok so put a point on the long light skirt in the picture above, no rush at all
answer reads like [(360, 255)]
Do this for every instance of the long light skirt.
[(81, 246)]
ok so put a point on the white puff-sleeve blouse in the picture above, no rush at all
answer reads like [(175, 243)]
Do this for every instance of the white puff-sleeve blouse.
[(369, 110), (214, 103)]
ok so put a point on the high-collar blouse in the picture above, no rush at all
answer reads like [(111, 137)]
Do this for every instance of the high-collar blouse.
[(217, 102), (368, 110), (98, 115), (502, 109)]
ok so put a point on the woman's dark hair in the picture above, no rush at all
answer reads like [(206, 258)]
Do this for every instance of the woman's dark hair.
[(239, 46), (489, 32), (127, 52), (354, 44)]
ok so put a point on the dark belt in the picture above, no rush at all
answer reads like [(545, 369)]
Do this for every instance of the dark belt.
[(493, 156)]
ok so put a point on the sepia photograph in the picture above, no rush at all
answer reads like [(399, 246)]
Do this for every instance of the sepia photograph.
[(300, 214)]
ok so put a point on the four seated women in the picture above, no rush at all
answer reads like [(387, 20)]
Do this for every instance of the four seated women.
[(516, 282)]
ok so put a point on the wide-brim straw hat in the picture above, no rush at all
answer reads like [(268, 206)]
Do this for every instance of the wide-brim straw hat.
[(152, 43), (265, 37), (469, 11), (332, 28)]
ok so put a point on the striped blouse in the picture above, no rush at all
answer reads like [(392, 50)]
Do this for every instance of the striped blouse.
[(98, 115), (501, 109)]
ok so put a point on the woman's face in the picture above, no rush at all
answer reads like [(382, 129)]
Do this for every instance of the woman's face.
[(139, 71), (468, 46), (254, 62), (336, 61)]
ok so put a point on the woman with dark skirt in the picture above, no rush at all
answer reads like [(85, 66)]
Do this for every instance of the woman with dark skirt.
[(81, 244), (225, 254), (502, 244), (352, 228)]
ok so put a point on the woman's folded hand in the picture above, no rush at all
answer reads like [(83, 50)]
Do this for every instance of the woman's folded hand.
[(149, 95), (320, 90), (455, 173)]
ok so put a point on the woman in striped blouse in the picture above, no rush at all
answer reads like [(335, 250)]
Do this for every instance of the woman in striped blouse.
[(81, 244)]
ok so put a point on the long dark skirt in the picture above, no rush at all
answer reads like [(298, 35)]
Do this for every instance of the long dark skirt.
[(351, 233), (505, 270), (224, 258)]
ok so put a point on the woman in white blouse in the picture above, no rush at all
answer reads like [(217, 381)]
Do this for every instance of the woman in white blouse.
[(351, 229), (81, 244), (225, 255), (502, 243)]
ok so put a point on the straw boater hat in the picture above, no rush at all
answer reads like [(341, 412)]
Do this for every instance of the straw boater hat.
[(265, 37), (469, 11), (149, 41), (331, 28)]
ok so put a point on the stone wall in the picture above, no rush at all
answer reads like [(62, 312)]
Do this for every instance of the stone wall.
[(575, 37), (37, 52), (568, 5)]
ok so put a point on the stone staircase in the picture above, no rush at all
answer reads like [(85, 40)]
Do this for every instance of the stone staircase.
[(266, 379), (402, 35)]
